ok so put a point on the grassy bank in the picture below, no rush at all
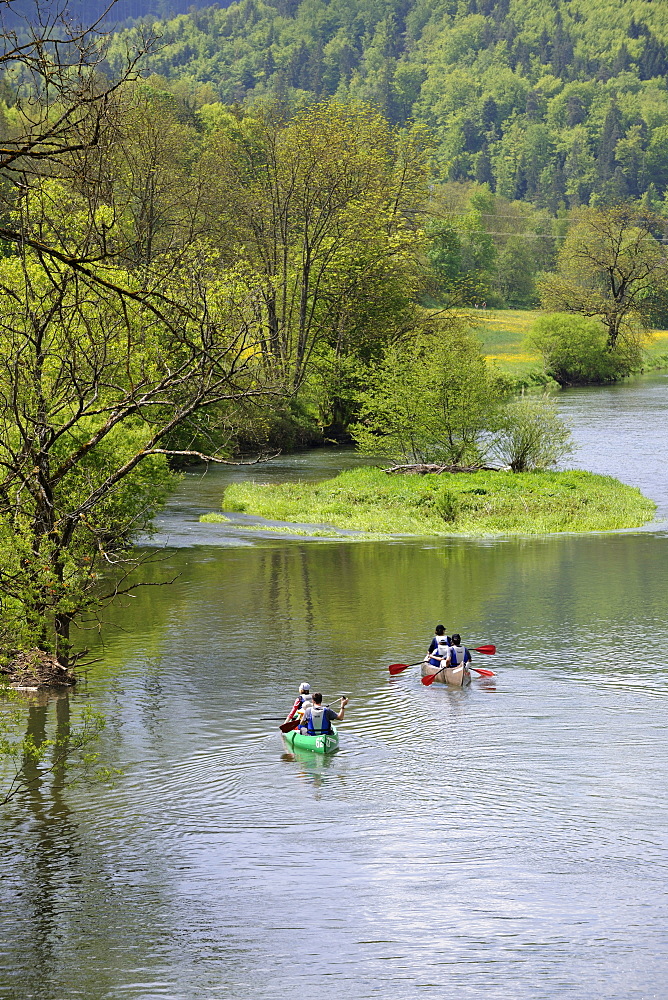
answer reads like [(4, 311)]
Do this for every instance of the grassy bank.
[(481, 503)]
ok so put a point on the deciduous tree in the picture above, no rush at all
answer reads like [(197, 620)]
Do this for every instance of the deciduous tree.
[(609, 265), (99, 362), (323, 208), (431, 401), (91, 386)]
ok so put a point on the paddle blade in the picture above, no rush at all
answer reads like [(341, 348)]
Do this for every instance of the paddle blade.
[(429, 679), (489, 650), (396, 668), (287, 727)]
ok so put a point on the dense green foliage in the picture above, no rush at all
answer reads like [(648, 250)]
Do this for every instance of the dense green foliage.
[(183, 275), (90, 385), (574, 349), (437, 400), (430, 401), (478, 503), (554, 102), (322, 210), (485, 248), (161, 277)]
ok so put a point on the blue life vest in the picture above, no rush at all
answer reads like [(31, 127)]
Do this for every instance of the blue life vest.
[(320, 724)]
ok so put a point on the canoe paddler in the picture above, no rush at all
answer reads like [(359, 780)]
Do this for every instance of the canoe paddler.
[(457, 653), (318, 718), (302, 702), (438, 648)]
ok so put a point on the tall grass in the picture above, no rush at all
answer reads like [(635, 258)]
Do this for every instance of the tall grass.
[(481, 503)]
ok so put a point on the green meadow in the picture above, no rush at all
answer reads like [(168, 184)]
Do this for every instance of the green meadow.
[(503, 334), (657, 350)]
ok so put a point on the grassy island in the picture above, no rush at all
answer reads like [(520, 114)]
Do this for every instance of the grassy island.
[(480, 503)]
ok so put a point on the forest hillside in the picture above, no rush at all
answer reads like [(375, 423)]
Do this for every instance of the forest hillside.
[(556, 103)]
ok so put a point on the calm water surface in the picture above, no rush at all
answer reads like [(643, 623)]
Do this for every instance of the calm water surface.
[(506, 841)]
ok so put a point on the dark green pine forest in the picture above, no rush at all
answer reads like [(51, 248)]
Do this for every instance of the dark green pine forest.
[(559, 104)]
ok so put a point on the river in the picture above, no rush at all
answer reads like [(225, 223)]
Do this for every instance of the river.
[(506, 841)]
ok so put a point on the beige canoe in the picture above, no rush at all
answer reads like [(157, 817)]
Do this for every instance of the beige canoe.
[(455, 676)]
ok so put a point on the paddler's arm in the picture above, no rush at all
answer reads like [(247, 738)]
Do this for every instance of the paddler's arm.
[(293, 711), (344, 702)]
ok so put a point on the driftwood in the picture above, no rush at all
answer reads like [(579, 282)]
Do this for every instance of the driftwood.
[(424, 469)]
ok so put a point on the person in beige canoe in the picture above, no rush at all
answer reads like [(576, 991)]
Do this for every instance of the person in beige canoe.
[(447, 658)]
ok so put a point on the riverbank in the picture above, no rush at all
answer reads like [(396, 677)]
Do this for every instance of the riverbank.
[(480, 503), (34, 669)]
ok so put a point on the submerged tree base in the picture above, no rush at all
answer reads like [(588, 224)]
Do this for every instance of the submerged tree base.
[(473, 503)]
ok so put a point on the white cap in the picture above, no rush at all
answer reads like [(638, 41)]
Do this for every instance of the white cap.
[(303, 688)]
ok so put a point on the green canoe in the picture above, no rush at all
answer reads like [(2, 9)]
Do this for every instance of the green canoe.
[(327, 743)]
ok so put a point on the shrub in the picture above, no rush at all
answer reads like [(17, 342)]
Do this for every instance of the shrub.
[(446, 504), (531, 435), (575, 350), (431, 401)]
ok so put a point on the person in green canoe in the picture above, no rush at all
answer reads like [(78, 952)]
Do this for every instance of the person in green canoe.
[(318, 718), (302, 702)]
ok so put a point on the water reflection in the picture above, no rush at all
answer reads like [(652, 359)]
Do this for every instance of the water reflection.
[(311, 769), (40, 879)]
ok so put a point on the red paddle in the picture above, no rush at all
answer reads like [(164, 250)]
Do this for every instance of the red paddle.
[(481, 670), (397, 668)]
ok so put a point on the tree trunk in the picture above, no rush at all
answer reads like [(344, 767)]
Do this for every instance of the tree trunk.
[(63, 621)]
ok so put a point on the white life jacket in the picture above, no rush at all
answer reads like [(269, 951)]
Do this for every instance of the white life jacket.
[(442, 646), (457, 655)]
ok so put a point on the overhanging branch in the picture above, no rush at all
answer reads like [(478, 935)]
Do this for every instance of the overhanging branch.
[(212, 458)]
